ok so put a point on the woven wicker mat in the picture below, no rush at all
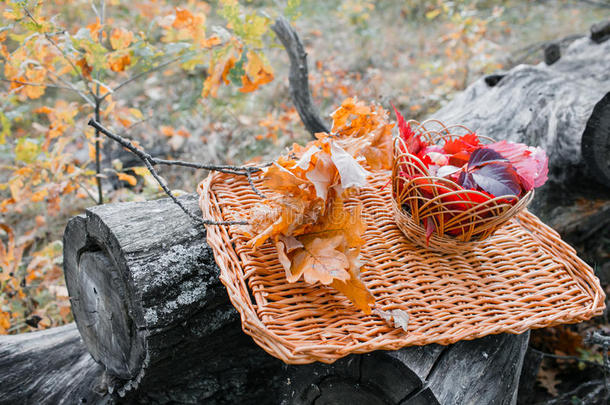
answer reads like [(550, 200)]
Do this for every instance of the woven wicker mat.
[(521, 278)]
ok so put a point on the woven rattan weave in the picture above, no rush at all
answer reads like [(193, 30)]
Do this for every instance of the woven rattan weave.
[(468, 215), (522, 277)]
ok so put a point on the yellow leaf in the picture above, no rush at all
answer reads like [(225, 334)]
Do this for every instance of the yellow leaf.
[(26, 151), (35, 76), (121, 38), (140, 171), (131, 180), (39, 195), (136, 113), (257, 73), (431, 15)]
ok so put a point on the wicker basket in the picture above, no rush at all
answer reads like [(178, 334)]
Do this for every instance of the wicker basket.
[(522, 277), (461, 217)]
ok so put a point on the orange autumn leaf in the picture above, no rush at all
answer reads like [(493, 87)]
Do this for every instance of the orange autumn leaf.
[(316, 237), (184, 18), (356, 291), (34, 76), (131, 180), (257, 73), (94, 29), (217, 74), (118, 63), (84, 67), (364, 131), (121, 38)]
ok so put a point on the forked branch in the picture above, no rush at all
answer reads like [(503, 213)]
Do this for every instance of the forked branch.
[(150, 162)]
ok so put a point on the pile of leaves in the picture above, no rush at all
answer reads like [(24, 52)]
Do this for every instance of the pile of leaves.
[(305, 215), (502, 169)]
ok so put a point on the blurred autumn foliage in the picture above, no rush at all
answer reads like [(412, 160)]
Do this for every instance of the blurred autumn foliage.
[(64, 61), (206, 82)]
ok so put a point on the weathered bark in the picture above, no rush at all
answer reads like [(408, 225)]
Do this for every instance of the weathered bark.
[(298, 78), (52, 366), (149, 305), (482, 371)]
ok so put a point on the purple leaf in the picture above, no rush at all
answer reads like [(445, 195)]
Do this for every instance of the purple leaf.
[(484, 156), (497, 179), (467, 181)]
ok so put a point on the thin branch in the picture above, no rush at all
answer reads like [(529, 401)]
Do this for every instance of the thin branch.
[(73, 88), (87, 191), (62, 51), (139, 75), (597, 338), (54, 86), (150, 161), (98, 102), (249, 174), (564, 357)]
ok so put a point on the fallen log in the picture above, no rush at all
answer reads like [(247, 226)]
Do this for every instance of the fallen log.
[(146, 297), (52, 366), (564, 108)]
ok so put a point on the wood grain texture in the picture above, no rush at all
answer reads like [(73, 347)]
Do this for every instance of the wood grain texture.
[(49, 367)]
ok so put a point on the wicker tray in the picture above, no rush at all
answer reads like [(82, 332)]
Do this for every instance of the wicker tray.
[(522, 277)]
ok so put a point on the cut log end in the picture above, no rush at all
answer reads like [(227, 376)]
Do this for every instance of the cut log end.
[(99, 299)]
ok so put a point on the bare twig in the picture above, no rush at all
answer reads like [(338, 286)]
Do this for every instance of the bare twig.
[(564, 357), (98, 102), (62, 51), (249, 174), (53, 86), (150, 161), (299, 77), (139, 75)]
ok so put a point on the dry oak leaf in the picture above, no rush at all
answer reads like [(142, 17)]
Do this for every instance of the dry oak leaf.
[(364, 131), (316, 237), (257, 73)]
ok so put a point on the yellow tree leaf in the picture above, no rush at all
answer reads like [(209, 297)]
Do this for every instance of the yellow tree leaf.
[(121, 38), (257, 73)]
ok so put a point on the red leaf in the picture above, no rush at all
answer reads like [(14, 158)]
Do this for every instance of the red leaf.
[(414, 143), (530, 163), (464, 143)]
